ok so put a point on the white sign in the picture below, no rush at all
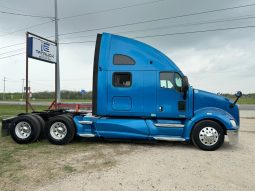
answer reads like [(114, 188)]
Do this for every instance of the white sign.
[(42, 50)]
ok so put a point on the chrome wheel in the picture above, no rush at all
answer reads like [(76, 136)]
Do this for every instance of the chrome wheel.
[(58, 130), (23, 130), (208, 136)]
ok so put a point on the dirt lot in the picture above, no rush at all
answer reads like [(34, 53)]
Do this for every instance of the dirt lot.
[(128, 166)]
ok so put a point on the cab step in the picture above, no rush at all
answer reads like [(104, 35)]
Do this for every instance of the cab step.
[(87, 135), (164, 138)]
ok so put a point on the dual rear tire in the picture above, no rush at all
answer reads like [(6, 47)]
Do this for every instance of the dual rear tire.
[(26, 129), (59, 130)]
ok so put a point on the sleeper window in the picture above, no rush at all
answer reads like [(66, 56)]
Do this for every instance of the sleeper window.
[(119, 59), (121, 79)]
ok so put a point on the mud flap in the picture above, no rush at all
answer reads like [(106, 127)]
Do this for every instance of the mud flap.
[(6, 125)]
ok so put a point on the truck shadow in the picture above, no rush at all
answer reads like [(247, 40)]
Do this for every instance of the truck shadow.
[(227, 147), (135, 143), (150, 144)]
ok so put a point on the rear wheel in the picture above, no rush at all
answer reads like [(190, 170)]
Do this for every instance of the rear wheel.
[(42, 123), (60, 130), (208, 135), (25, 129)]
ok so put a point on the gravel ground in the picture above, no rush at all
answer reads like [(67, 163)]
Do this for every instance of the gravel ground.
[(173, 166)]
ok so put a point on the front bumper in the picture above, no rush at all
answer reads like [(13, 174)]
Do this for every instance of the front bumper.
[(233, 136)]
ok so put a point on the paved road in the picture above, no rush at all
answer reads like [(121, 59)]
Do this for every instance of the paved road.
[(247, 107)]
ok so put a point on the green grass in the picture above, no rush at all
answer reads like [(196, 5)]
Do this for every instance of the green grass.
[(246, 101), (30, 165), (243, 100), (69, 169)]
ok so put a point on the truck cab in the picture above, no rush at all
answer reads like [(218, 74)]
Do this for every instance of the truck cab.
[(138, 93)]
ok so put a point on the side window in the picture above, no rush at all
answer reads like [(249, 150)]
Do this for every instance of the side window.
[(178, 80), (119, 59), (166, 79), (170, 80), (122, 79)]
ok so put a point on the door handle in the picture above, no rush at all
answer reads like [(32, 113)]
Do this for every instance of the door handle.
[(160, 108)]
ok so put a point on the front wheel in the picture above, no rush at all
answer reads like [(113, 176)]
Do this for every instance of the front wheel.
[(208, 135)]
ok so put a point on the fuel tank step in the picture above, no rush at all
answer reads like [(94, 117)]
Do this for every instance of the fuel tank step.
[(164, 138), (87, 135)]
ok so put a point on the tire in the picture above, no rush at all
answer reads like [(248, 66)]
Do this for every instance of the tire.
[(25, 129), (42, 123), (60, 130), (69, 116), (208, 135)]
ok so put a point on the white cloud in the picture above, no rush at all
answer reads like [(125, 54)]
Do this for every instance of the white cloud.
[(219, 69)]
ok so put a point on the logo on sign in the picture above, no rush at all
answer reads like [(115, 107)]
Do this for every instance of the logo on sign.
[(44, 50), (45, 47)]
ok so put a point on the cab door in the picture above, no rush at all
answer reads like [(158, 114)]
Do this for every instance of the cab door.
[(170, 100)]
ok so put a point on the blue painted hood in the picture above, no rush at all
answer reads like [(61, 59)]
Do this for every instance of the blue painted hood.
[(203, 99)]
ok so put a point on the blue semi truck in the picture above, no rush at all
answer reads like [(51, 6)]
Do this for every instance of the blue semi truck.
[(138, 93)]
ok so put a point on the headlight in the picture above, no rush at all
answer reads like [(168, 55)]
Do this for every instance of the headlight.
[(233, 123)]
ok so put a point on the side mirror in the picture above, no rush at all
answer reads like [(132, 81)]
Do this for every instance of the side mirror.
[(238, 95), (185, 86)]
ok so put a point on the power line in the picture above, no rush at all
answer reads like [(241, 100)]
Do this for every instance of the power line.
[(176, 25), (12, 51), (21, 43), (1, 6), (178, 33), (25, 15), (21, 29), (89, 13), (11, 55), (12, 45), (78, 42), (112, 9), (161, 19), (157, 35), (199, 31), (141, 22)]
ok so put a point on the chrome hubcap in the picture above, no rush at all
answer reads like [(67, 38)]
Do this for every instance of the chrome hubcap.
[(208, 136), (23, 130), (58, 130)]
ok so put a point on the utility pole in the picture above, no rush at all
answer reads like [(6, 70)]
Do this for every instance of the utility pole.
[(4, 88), (22, 89), (57, 75)]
